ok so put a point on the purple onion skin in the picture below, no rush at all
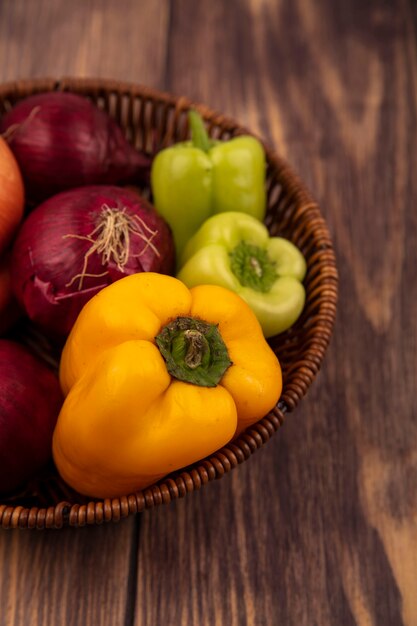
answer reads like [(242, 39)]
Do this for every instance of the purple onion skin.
[(30, 401), (45, 260), (61, 141)]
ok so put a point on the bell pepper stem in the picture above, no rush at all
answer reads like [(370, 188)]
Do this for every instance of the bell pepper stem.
[(196, 348), (194, 351), (199, 135), (253, 267)]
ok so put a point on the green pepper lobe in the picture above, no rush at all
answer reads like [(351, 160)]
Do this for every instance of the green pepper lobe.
[(194, 351), (253, 267)]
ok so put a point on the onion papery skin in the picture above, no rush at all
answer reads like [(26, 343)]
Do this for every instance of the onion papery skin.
[(30, 401), (62, 140), (50, 250)]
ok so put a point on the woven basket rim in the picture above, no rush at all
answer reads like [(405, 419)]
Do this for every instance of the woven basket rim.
[(186, 480)]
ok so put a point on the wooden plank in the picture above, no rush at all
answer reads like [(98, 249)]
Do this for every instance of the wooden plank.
[(320, 527), (99, 38), (70, 576)]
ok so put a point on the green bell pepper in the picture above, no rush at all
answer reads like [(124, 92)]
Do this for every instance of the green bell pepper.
[(235, 251), (195, 179)]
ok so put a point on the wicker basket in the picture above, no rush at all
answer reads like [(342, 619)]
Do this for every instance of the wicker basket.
[(152, 120)]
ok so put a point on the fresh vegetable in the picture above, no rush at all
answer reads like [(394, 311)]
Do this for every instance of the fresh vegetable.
[(235, 251), (61, 140), (195, 179), (9, 310), (12, 197), (157, 377), (79, 241), (30, 401)]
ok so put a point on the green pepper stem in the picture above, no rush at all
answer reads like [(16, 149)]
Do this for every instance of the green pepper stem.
[(199, 134)]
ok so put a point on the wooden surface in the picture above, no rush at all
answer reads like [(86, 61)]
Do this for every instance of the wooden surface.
[(319, 528)]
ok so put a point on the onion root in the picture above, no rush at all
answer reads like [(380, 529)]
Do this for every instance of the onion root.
[(111, 239)]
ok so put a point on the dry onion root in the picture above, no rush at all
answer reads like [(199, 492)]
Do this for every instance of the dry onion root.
[(111, 238)]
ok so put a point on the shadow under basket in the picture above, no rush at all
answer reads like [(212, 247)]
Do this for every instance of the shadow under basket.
[(152, 120)]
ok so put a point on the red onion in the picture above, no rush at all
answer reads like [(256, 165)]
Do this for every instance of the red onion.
[(61, 140), (79, 241), (30, 400), (9, 309)]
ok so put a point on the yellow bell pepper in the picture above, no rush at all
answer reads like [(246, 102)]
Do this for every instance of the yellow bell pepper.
[(156, 377)]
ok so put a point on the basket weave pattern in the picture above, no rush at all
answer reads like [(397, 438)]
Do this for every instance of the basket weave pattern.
[(152, 120)]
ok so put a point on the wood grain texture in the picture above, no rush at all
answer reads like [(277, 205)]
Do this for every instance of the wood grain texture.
[(66, 577), (319, 527), (101, 38)]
